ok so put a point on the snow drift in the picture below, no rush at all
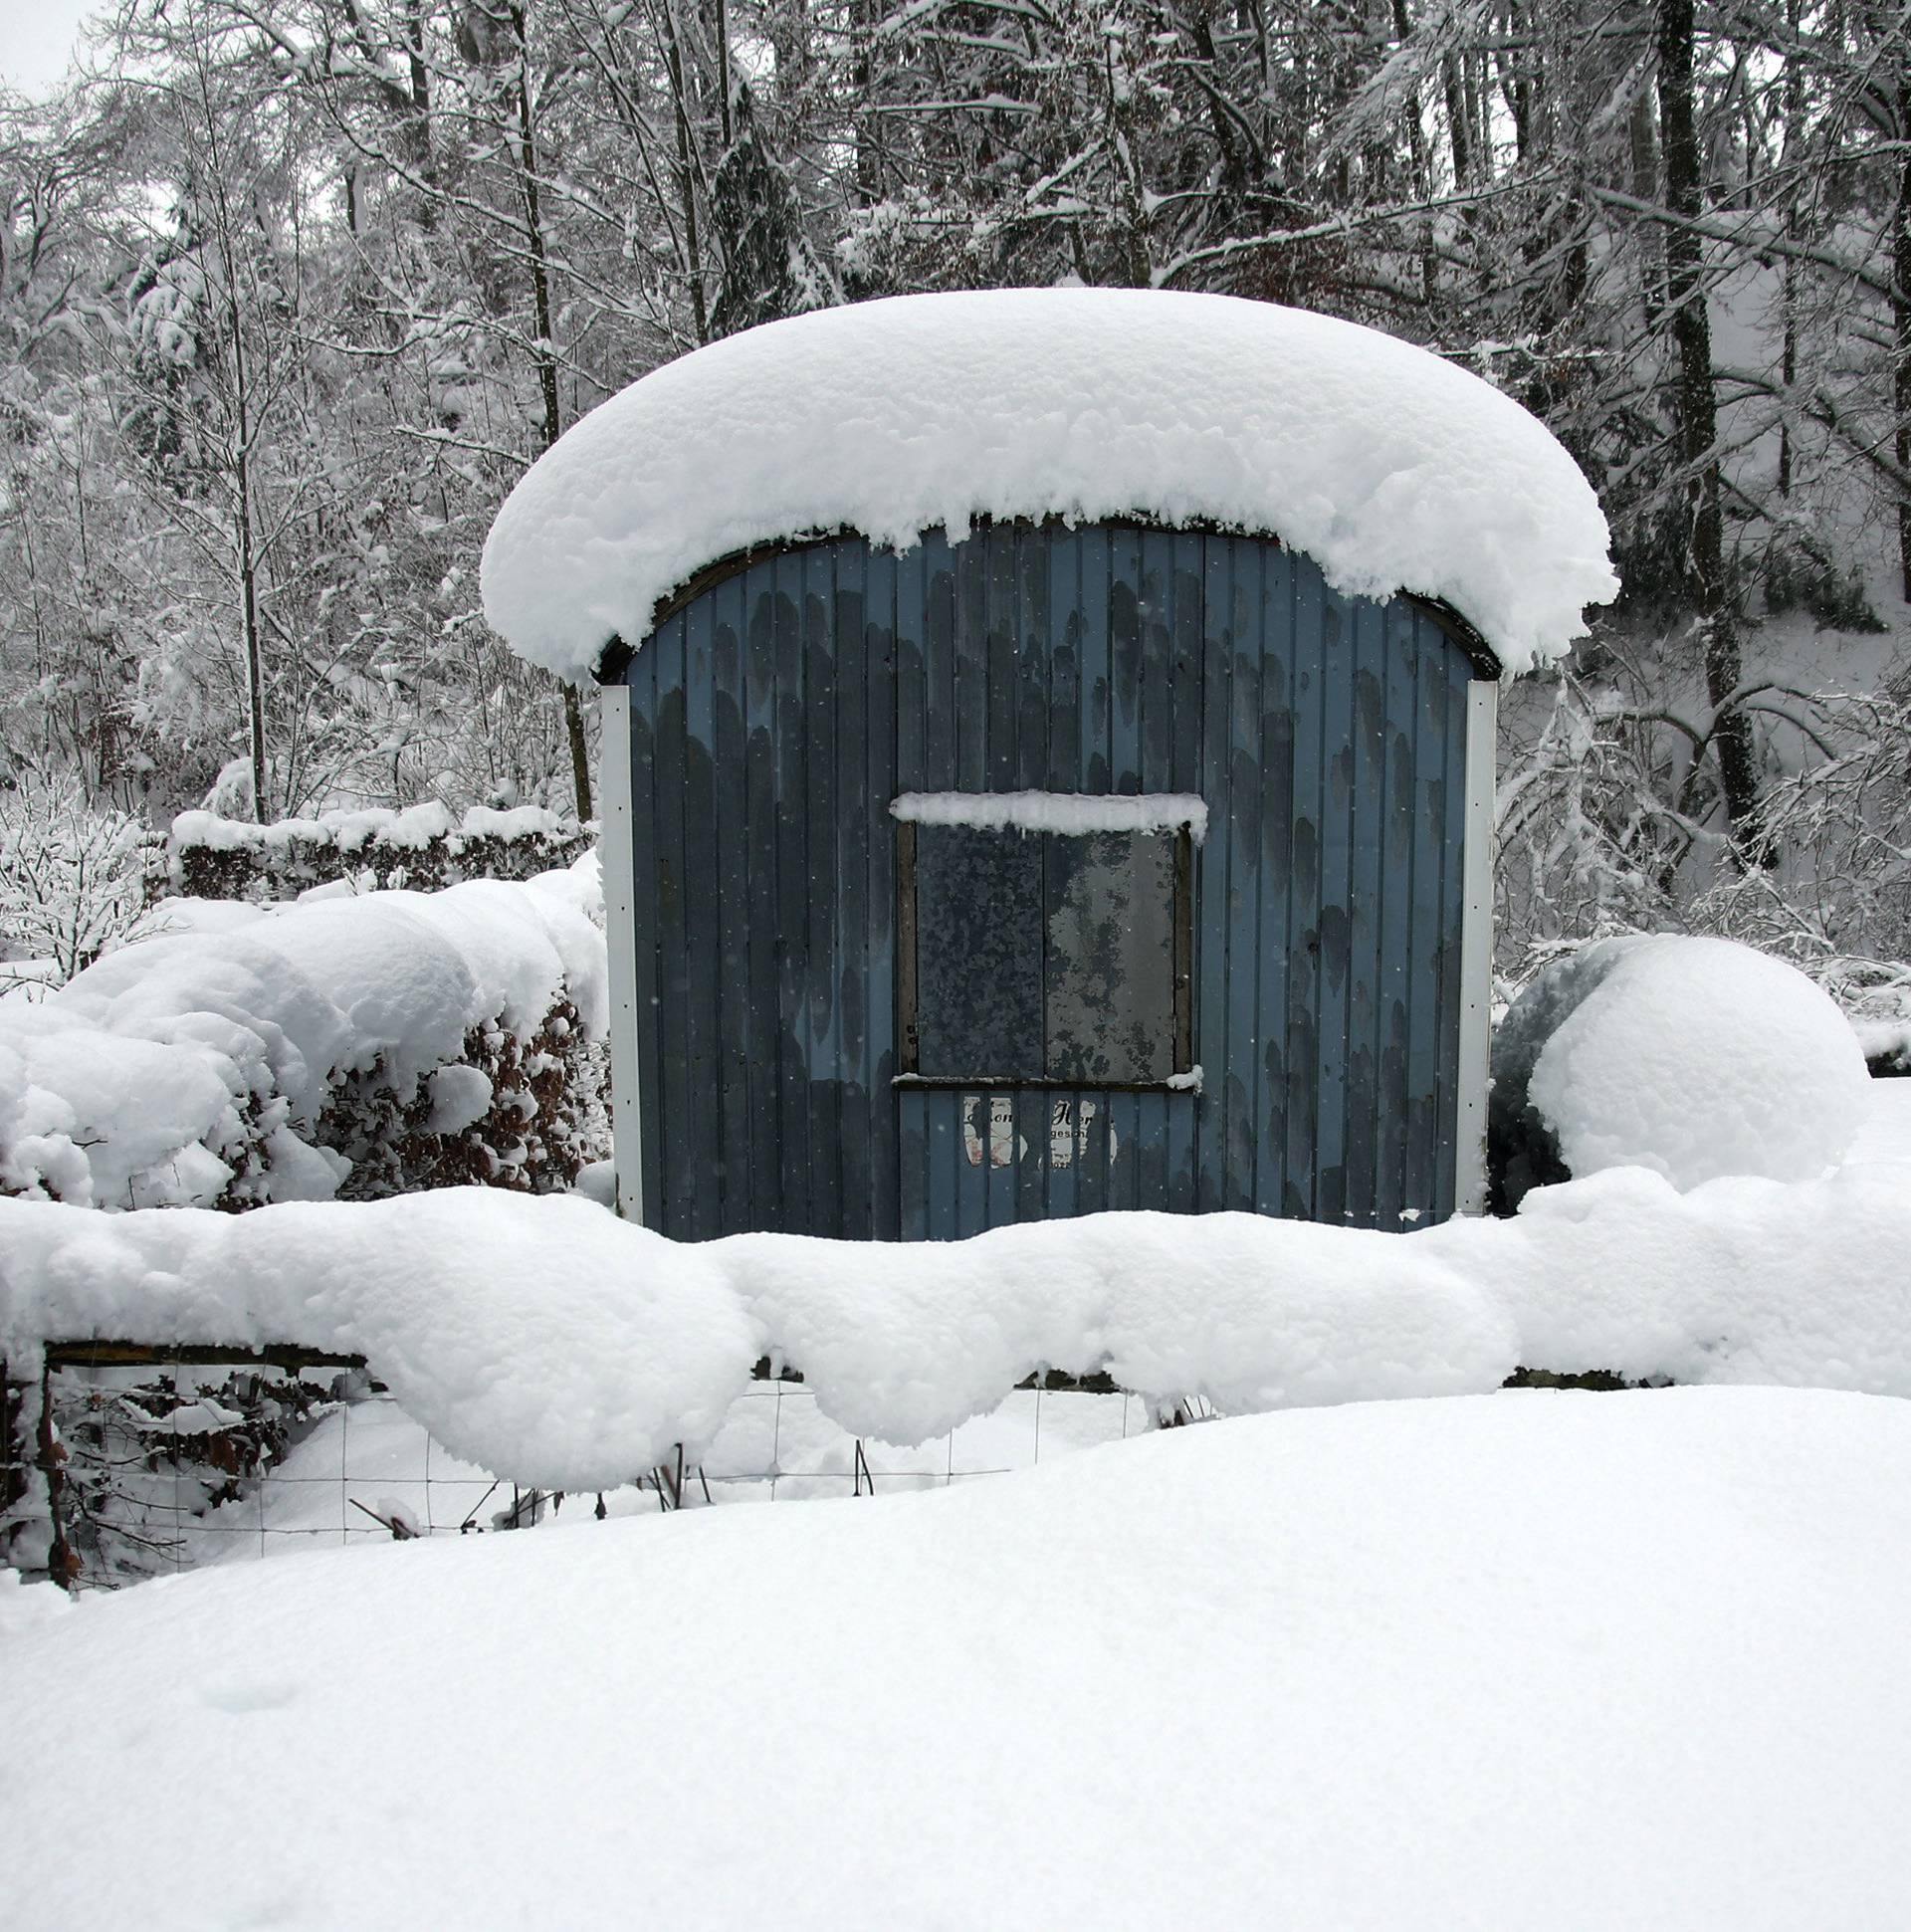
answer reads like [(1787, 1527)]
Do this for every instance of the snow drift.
[(552, 1342), (1392, 469), (1607, 1661)]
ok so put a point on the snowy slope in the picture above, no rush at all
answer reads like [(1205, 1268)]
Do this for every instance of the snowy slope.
[(1526, 1659), (1392, 469)]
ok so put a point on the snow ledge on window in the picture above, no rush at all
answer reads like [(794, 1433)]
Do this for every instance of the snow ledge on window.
[(1076, 814)]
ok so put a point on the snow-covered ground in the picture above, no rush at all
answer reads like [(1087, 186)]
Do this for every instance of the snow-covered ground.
[(1521, 1660)]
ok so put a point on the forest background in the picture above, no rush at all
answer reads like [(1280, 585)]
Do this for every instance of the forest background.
[(293, 291)]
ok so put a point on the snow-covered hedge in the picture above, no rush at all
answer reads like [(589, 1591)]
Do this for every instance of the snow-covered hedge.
[(550, 1341), (423, 848), (358, 1045)]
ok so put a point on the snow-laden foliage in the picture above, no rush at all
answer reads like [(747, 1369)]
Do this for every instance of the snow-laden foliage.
[(1392, 469), (72, 880), (371, 1042), (550, 1341)]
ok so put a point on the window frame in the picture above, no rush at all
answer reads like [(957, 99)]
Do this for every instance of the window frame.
[(1182, 980)]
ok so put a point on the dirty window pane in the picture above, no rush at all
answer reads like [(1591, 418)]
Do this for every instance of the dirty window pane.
[(1045, 955), (978, 952), (1110, 904)]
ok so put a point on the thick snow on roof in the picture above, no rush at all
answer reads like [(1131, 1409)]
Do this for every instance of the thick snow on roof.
[(1392, 469), (1601, 1661)]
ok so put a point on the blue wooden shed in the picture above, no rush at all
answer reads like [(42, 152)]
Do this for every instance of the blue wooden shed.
[(1019, 821)]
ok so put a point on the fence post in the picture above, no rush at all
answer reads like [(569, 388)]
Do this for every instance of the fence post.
[(63, 1566)]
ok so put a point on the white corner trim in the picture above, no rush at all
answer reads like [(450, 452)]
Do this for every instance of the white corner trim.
[(620, 938), (1476, 945)]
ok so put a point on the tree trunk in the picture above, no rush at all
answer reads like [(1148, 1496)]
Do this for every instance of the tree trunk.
[(546, 358), (1901, 312), (1696, 411)]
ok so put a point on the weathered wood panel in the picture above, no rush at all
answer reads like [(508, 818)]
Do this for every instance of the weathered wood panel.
[(775, 716)]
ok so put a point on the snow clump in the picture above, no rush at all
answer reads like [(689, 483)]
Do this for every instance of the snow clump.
[(1392, 469), (1695, 1058), (547, 1341)]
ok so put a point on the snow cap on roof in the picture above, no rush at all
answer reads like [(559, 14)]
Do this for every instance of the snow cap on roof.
[(1392, 469)]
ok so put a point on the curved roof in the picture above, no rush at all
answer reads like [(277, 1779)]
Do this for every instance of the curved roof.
[(1394, 469)]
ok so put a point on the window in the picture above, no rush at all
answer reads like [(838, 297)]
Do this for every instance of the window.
[(1046, 938)]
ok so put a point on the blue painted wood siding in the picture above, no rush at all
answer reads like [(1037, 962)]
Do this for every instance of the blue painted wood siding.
[(775, 716)]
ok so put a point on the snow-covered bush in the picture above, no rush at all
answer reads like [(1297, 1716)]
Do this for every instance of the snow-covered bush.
[(365, 1044), (71, 881), (1693, 1057), (423, 848)]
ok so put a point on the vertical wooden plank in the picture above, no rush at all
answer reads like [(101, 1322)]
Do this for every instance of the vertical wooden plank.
[(1422, 944), (1456, 676), (1337, 833), (1221, 937), (970, 1147), (1061, 1151), (996, 542), (1300, 1189), (970, 637), (820, 1023), (912, 1164), (938, 660), (1187, 625), (1127, 621), (676, 1128), (1151, 1148), (792, 901), (646, 900), (1370, 647), (850, 941), (1097, 639), (729, 756), (763, 1027), (1091, 1153), (1231, 873), (924, 762), (942, 1157), (1272, 868), (1123, 1149), (881, 1036), (1065, 627), (1397, 895), (702, 952), (1036, 647), (1132, 610), (1154, 696)]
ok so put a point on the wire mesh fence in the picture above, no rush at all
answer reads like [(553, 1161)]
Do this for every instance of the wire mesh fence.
[(180, 1458)]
